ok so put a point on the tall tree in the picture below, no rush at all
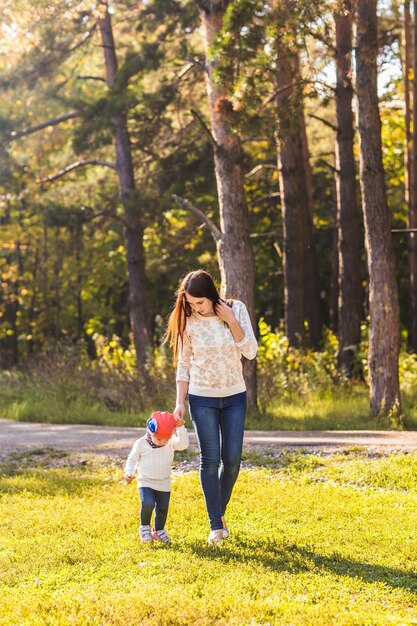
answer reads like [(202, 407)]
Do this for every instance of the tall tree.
[(384, 339), (291, 185), (236, 260), (348, 228), (131, 203), (311, 270), (410, 168), (301, 280)]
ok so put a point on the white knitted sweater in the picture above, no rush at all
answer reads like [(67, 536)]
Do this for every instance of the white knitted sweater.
[(210, 359), (153, 465)]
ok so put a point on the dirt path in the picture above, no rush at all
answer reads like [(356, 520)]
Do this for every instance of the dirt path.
[(79, 438)]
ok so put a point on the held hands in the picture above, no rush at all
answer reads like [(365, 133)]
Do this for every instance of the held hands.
[(180, 420), (128, 479), (225, 312), (179, 414)]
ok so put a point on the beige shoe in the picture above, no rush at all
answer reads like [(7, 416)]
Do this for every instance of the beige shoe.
[(225, 528), (215, 537)]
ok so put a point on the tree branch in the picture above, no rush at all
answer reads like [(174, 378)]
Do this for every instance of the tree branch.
[(329, 165), (320, 82), (325, 122), (205, 128), (197, 64), (100, 78), (185, 70), (73, 166), (278, 91), (54, 121), (404, 230), (88, 36), (95, 215), (203, 5), (259, 167), (208, 222), (271, 196)]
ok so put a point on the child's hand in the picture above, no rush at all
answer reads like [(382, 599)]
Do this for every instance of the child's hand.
[(128, 479), (179, 420)]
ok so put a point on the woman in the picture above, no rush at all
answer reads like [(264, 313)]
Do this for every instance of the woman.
[(209, 337)]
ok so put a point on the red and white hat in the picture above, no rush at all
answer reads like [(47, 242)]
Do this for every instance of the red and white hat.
[(161, 424)]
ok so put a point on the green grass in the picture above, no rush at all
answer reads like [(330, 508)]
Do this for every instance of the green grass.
[(315, 540), (340, 409)]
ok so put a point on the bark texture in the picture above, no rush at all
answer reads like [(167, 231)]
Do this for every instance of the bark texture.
[(133, 229), (301, 277), (384, 337), (411, 174), (235, 254), (312, 298), (348, 228)]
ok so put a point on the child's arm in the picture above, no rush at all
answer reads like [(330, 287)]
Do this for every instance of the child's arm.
[(132, 461), (180, 439)]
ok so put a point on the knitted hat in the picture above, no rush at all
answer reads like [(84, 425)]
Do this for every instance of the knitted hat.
[(161, 424)]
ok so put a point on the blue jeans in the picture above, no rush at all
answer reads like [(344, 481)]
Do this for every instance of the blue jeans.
[(151, 500), (219, 424)]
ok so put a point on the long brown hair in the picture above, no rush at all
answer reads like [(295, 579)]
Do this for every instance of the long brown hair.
[(198, 284)]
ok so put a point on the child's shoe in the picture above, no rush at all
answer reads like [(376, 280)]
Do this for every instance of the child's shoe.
[(145, 534), (215, 537), (161, 535)]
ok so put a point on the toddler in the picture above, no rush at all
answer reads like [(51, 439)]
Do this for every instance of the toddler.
[(152, 456)]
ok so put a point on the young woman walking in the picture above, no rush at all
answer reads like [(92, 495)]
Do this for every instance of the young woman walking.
[(209, 336)]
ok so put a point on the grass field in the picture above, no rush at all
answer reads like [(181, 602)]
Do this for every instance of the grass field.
[(320, 540)]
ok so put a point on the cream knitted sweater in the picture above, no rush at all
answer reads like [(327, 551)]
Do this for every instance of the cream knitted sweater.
[(210, 359), (154, 464)]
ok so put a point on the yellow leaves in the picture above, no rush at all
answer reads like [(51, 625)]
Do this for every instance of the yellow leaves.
[(112, 354)]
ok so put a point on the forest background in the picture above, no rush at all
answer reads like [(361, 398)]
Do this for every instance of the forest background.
[(270, 143)]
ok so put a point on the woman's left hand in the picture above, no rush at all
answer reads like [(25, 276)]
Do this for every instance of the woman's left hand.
[(225, 312)]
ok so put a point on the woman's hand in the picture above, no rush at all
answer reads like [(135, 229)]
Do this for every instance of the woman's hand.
[(179, 413), (128, 479), (179, 420), (225, 312)]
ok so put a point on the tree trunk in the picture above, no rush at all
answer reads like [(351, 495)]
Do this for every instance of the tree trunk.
[(349, 249), (45, 281), (334, 280), (412, 197), (8, 293), (33, 308), (236, 260), (289, 153), (407, 67), (57, 267), (78, 242), (133, 229), (384, 340), (311, 271)]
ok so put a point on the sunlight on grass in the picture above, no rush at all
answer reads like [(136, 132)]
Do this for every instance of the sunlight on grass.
[(338, 410), (311, 543)]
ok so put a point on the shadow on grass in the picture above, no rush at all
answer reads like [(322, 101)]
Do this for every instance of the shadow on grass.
[(295, 560)]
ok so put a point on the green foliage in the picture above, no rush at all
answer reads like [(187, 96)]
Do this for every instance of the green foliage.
[(65, 386), (287, 370)]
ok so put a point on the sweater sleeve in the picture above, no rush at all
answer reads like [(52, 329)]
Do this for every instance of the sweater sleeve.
[(184, 358), (180, 438), (248, 346), (133, 459)]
